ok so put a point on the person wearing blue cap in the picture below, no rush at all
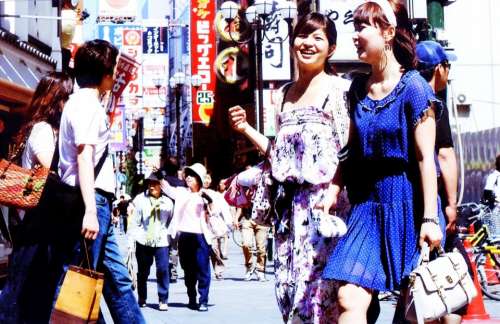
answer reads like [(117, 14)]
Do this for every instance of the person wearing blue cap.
[(434, 66), (433, 63)]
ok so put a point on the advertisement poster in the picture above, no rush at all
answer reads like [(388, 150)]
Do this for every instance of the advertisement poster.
[(114, 8), (203, 48), (154, 80), (118, 141)]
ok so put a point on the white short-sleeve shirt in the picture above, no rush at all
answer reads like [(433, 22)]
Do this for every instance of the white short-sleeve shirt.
[(84, 121), (493, 184), (42, 139)]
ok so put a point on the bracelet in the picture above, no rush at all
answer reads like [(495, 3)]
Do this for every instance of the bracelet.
[(434, 220)]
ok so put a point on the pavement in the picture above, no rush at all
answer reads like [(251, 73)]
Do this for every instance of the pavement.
[(233, 300)]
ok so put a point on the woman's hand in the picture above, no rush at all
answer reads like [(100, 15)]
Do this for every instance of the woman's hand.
[(238, 118), (330, 199), (430, 233)]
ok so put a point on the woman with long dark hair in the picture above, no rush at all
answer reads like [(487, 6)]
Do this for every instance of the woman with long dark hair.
[(27, 296), (311, 123), (39, 133), (390, 171)]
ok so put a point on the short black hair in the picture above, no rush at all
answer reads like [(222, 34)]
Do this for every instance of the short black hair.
[(93, 61), (426, 72)]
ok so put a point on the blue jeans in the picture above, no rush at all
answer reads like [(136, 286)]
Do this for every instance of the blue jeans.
[(29, 290), (106, 258), (145, 255), (194, 256)]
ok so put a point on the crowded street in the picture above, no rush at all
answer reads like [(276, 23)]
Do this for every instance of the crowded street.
[(249, 161)]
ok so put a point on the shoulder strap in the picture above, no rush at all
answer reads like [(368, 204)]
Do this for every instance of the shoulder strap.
[(325, 102), (4, 229), (285, 91), (97, 168)]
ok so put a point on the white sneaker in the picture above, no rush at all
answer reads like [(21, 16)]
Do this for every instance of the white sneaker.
[(163, 306), (261, 276), (248, 275)]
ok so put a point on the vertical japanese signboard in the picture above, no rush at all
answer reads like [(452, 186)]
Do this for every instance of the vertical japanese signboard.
[(340, 11), (154, 40), (203, 48), (275, 49), (128, 39), (154, 66), (118, 140), (132, 46)]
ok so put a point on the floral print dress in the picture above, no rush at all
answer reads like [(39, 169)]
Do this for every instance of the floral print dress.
[(304, 159)]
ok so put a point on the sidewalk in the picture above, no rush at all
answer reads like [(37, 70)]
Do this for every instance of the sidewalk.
[(234, 300)]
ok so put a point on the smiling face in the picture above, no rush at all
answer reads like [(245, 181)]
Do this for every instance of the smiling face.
[(369, 42), (312, 49), (314, 39)]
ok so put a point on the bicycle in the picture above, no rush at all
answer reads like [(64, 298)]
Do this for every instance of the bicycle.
[(486, 246)]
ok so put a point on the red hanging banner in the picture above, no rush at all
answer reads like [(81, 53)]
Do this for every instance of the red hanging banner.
[(203, 48)]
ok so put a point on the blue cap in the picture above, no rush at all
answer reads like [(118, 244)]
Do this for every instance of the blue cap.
[(431, 53)]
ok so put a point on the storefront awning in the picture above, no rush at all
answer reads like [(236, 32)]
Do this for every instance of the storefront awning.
[(20, 73), (17, 71)]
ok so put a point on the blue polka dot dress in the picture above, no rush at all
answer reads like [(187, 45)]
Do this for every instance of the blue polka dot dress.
[(382, 179)]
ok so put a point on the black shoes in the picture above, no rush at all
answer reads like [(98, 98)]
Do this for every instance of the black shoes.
[(193, 306)]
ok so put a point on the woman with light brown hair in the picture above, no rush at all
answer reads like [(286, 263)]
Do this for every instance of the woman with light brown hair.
[(390, 171)]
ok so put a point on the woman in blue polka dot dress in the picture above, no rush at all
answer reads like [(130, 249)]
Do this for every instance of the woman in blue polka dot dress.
[(390, 170)]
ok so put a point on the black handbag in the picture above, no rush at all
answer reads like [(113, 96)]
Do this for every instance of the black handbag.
[(59, 214)]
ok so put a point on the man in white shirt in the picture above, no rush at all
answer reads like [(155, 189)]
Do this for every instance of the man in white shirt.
[(148, 235), (83, 140), (491, 192)]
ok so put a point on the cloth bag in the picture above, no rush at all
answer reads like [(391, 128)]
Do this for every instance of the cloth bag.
[(21, 187), (237, 195), (79, 298), (438, 287), (214, 217)]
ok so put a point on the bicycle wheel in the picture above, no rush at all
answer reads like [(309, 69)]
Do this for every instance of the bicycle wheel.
[(237, 237), (489, 275)]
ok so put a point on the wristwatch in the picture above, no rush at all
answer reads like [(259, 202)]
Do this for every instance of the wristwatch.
[(434, 220)]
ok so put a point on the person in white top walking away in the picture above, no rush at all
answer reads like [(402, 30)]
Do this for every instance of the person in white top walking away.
[(491, 193)]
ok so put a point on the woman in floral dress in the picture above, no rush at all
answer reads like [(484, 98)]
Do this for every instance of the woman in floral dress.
[(312, 124)]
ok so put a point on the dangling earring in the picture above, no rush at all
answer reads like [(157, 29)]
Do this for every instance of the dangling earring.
[(387, 47)]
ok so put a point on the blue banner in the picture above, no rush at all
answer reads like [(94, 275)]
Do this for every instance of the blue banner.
[(154, 40)]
